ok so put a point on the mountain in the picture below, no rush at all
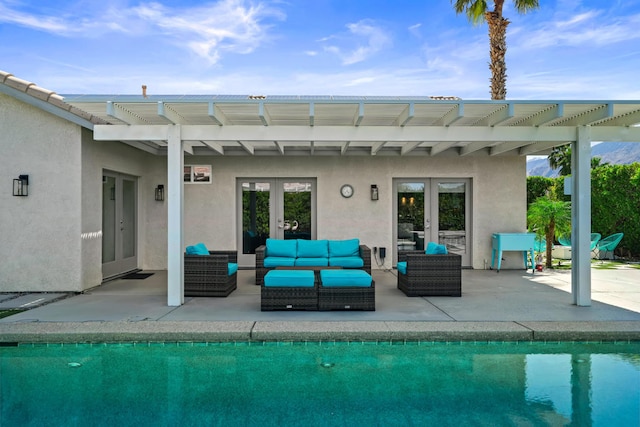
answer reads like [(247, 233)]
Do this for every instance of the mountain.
[(615, 153)]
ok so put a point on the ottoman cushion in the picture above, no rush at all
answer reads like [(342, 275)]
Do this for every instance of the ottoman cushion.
[(345, 278), (289, 278)]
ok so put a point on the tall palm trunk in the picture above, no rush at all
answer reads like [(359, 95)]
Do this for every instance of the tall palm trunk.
[(497, 51)]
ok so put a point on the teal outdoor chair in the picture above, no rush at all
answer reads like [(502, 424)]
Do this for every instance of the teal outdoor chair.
[(566, 240), (608, 245), (540, 244)]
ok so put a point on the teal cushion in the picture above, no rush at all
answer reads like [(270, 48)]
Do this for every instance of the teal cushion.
[(344, 278), (312, 262), (346, 262), (281, 248), (313, 249), (198, 249), (289, 278), (402, 267), (232, 268), (442, 250), (278, 261), (342, 248), (435, 249), (431, 248)]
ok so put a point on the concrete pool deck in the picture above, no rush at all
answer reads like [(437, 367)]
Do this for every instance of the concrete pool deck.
[(512, 305)]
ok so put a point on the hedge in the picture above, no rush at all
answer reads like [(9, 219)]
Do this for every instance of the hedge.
[(615, 202)]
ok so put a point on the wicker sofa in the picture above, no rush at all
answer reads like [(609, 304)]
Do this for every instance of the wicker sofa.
[(304, 255), (213, 275), (430, 275)]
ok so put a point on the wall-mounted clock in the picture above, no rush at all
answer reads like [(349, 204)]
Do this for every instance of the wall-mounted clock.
[(346, 191)]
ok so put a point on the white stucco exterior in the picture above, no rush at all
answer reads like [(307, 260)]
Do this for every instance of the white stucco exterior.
[(52, 240)]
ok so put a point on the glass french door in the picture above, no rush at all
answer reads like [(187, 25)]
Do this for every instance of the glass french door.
[(281, 208), (433, 210), (119, 224)]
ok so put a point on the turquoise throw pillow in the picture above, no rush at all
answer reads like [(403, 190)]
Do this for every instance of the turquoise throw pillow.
[(431, 248), (436, 249), (198, 249)]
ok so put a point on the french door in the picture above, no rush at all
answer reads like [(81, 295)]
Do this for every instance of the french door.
[(119, 223), (433, 210), (281, 208)]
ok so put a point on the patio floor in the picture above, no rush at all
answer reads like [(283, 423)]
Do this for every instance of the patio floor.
[(510, 305)]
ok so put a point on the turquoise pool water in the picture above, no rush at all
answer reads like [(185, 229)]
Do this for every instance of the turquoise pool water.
[(321, 384)]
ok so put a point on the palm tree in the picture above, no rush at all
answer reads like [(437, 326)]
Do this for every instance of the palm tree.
[(477, 12), (560, 158), (549, 218)]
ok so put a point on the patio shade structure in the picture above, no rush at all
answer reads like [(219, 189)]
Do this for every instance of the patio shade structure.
[(249, 125), (365, 126)]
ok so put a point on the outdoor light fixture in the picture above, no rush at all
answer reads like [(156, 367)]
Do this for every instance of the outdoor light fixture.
[(374, 192), (21, 186), (160, 193)]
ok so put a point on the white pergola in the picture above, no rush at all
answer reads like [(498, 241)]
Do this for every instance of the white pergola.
[(360, 126)]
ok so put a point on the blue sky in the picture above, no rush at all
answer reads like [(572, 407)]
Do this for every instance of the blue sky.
[(568, 49)]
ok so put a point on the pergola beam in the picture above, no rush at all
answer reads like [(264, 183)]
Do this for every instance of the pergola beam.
[(443, 146), (170, 114), (452, 116), (216, 115)]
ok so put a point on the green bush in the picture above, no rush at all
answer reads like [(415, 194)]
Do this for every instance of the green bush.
[(615, 204), (615, 201)]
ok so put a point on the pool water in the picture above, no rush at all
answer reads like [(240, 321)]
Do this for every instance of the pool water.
[(321, 384)]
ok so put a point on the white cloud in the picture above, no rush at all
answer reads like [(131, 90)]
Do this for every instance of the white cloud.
[(589, 29), (415, 30), (208, 30), (368, 38)]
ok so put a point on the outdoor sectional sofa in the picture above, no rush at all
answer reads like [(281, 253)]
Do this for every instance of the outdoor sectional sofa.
[(297, 253)]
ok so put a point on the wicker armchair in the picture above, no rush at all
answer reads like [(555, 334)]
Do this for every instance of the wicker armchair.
[(208, 275), (430, 275)]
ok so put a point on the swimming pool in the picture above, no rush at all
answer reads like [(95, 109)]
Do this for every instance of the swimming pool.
[(321, 384)]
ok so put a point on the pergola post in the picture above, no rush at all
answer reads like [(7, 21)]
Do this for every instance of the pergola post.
[(175, 198), (581, 218)]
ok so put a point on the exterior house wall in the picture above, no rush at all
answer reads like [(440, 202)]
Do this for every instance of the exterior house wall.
[(40, 234), (498, 196), (150, 170), (51, 240)]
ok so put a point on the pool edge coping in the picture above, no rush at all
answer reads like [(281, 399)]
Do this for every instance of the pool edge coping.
[(206, 331)]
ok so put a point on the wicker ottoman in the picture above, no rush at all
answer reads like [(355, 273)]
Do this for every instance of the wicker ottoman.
[(346, 290), (289, 290)]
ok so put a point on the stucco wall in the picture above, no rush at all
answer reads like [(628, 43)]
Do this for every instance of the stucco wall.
[(51, 239), (498, 196), (150, 170), (39, 234)]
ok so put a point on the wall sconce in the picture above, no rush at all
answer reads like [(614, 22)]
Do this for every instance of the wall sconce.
[(21, 186), (374, 192), (160, 193)]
